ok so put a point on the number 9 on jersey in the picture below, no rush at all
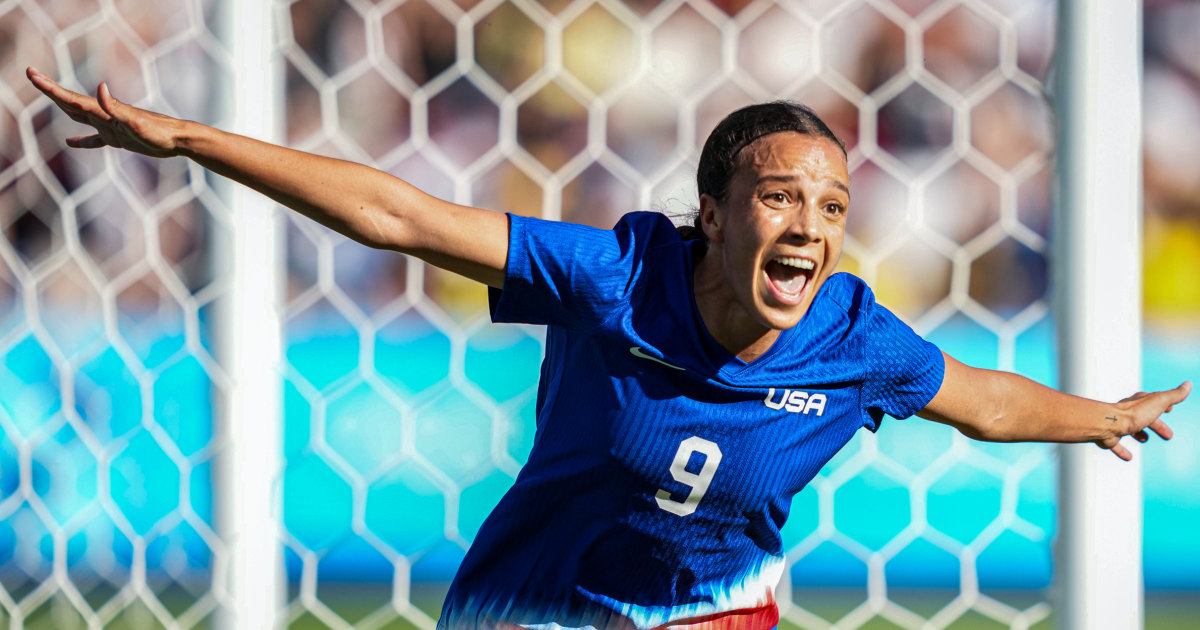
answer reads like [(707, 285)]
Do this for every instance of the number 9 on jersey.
[(697, 482)]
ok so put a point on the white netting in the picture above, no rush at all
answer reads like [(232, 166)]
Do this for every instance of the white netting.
[(407, 414), (108, 383)]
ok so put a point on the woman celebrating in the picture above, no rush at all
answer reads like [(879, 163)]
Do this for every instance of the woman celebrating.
[(694, 380)]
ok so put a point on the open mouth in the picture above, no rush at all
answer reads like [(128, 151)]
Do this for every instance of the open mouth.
[(787, 276)]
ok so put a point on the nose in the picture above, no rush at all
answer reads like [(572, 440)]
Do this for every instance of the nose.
[(805, 227)]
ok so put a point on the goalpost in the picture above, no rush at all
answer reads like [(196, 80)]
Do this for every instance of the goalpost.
[(250, 338), (1098, 91)]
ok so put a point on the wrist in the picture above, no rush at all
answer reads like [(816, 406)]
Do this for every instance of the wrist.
[(1114, 421), (188, 137)]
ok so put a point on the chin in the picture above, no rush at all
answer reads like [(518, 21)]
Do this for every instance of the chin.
[(783, 316), (778, 318)]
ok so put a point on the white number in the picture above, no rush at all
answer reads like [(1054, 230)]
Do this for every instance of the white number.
[(698, 481)]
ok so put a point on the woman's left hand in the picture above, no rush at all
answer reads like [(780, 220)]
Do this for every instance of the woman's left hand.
[(1140, 412)]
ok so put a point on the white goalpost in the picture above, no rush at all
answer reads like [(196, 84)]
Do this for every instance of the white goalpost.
[(248, 506), (1098, 262)]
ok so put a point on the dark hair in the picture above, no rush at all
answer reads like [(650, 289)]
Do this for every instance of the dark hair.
[(718, 159)]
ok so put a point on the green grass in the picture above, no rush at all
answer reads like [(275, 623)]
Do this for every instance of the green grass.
[(356, 603)]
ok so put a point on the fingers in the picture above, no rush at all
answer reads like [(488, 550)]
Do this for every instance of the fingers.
[(116, 124), (77, 106), (1147, 408), (1166, 400), (1172, 397), (1141, 436), (1180, 394), (1161, 428), (87, 142), (50, 88), (1114, 444), (1120, 451)]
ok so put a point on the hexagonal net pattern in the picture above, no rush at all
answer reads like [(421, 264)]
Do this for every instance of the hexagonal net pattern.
[(407, 414), (107, 383)]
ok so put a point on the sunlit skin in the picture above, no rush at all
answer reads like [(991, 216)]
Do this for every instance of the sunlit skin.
[(788, 197)]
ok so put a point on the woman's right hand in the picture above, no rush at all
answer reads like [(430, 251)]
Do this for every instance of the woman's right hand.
[(116, 124)]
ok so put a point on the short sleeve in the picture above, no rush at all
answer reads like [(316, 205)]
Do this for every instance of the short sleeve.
[(567, 274), (904, 371)]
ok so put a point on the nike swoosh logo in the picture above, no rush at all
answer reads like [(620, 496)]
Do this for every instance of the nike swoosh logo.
[(639, 353)]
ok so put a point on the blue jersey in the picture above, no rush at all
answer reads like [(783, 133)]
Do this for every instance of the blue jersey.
[(663, 466)]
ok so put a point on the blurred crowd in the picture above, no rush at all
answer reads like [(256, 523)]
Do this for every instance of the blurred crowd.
[(617, 128), (1171, 110)]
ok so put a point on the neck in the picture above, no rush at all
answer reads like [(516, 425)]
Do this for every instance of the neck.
[(736, 329)]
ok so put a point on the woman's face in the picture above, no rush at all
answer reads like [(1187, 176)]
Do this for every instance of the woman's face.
[(778, 235)]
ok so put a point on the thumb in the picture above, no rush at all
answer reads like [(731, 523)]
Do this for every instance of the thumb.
[(110, 105)]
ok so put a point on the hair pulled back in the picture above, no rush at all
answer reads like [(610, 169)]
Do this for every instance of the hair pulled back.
[(718, 159)]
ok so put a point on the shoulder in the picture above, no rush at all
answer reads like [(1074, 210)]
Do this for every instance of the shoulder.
[(577, 275), (653, 226), (848, 294), (849, 304), (651, 240), (633, 231)]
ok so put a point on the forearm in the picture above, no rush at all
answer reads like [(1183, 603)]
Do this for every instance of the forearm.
[(1031, 412), (358, 201), (1002, 407)]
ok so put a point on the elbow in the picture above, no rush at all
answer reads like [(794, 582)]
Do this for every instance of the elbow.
[(377, 227), (998, 413), (987, 428), (979, 432)]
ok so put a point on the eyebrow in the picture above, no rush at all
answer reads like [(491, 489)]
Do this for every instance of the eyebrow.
[(791, 178)]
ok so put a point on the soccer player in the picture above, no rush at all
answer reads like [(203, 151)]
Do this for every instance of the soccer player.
[(694, 380)]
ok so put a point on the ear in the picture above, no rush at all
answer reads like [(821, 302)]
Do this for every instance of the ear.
[(712, 218)]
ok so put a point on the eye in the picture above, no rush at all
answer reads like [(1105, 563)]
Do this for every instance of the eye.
[(834, 208), (777, 197)]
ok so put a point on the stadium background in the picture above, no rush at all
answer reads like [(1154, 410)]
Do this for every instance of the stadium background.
[(407, 415)]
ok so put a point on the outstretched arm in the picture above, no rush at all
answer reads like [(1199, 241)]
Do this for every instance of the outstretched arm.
[(1002, 407), (365, 204)]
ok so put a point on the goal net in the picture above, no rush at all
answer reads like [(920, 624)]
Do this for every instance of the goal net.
[(406, 414)]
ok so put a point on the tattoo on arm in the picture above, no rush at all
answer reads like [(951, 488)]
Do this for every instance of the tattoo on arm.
[(1113, 418)]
